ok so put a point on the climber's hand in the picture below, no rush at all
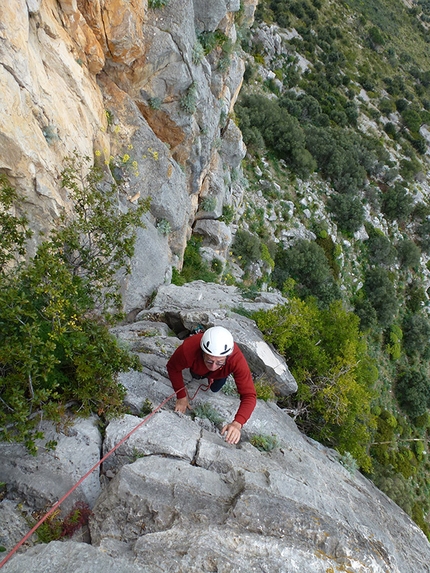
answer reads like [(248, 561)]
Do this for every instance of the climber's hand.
[(232, 432), (182, 405)]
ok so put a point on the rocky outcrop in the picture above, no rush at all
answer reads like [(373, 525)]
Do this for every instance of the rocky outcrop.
[(174, 496), (111, 79)]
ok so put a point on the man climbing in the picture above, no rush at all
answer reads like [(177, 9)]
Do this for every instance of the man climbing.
[(214, 355)]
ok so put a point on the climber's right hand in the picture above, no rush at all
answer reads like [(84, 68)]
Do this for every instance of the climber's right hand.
[(182, 405)]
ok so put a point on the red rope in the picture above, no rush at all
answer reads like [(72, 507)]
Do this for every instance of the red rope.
[(77, 484)]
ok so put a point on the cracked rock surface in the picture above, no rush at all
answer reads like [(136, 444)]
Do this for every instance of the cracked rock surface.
[(175, 497)]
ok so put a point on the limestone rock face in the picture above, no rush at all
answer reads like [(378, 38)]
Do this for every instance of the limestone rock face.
[(108, 78), (172, 495), (43, 479)]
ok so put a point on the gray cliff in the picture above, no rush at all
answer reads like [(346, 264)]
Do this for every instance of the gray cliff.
[(176, 497)]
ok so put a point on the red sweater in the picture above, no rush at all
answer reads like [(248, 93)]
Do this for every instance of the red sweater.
[(190, 355)]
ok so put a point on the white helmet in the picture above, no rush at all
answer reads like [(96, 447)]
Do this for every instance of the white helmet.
[(217, 341)]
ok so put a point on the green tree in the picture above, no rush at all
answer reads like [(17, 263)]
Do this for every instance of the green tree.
[(55, 309), (397, 203), (413, 390), (328, 357), (416, 331), (14, 232), (381, 294), (348, 212), (246, 247), (409, 254), (379, 248), (306, 263)]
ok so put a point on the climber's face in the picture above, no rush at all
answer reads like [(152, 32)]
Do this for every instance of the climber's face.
[(213, 362)]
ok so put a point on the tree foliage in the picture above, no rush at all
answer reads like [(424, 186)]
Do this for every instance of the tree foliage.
[(280, 131), (14, 232), (381, 295), (55, 346), (328, 358), (397, 203), (247, 247), (306, 263), (380, 250), (413, 390)]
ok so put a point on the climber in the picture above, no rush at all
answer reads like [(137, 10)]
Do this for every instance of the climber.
[(214, 355)]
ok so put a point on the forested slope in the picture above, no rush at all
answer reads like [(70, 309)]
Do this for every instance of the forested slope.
[(335, 112)]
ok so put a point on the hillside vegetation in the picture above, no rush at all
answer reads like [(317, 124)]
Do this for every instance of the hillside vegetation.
[(335, 112)]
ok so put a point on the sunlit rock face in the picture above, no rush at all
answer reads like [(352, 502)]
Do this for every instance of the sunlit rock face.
[(111, 79)]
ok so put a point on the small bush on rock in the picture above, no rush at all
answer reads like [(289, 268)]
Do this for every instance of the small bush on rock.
[(55, 310), (264, 442)]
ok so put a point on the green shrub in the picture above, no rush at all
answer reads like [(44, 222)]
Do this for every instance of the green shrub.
[(246, 247), (409, 254), (328, 358), (348, 212), (158, 3), (188, 101), (194, 267), (55, 346), (397, 203), (264, 442), (381, 294), (306, 263), (416, 330), (387, 106), (208, 412), (264, 123), (394, 348), (265, 390), (380, 249), (423, 232), (415, 296), (14, 232), (413, 391)]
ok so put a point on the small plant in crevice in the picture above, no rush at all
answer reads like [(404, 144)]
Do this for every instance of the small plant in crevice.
[(228, 214), (264, 442), (55, 528), (146, 408), (217, 266), (198, 53), (229, 388), (158, 3), (208, 412), (155, 103), (188, 101), (50, 133), (136, 455), (265, 390), (194, 267), (208, 203), (349, 462), (164, 227)]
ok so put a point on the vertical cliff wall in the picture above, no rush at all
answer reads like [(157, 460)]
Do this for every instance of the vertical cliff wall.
[(146, 91)]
